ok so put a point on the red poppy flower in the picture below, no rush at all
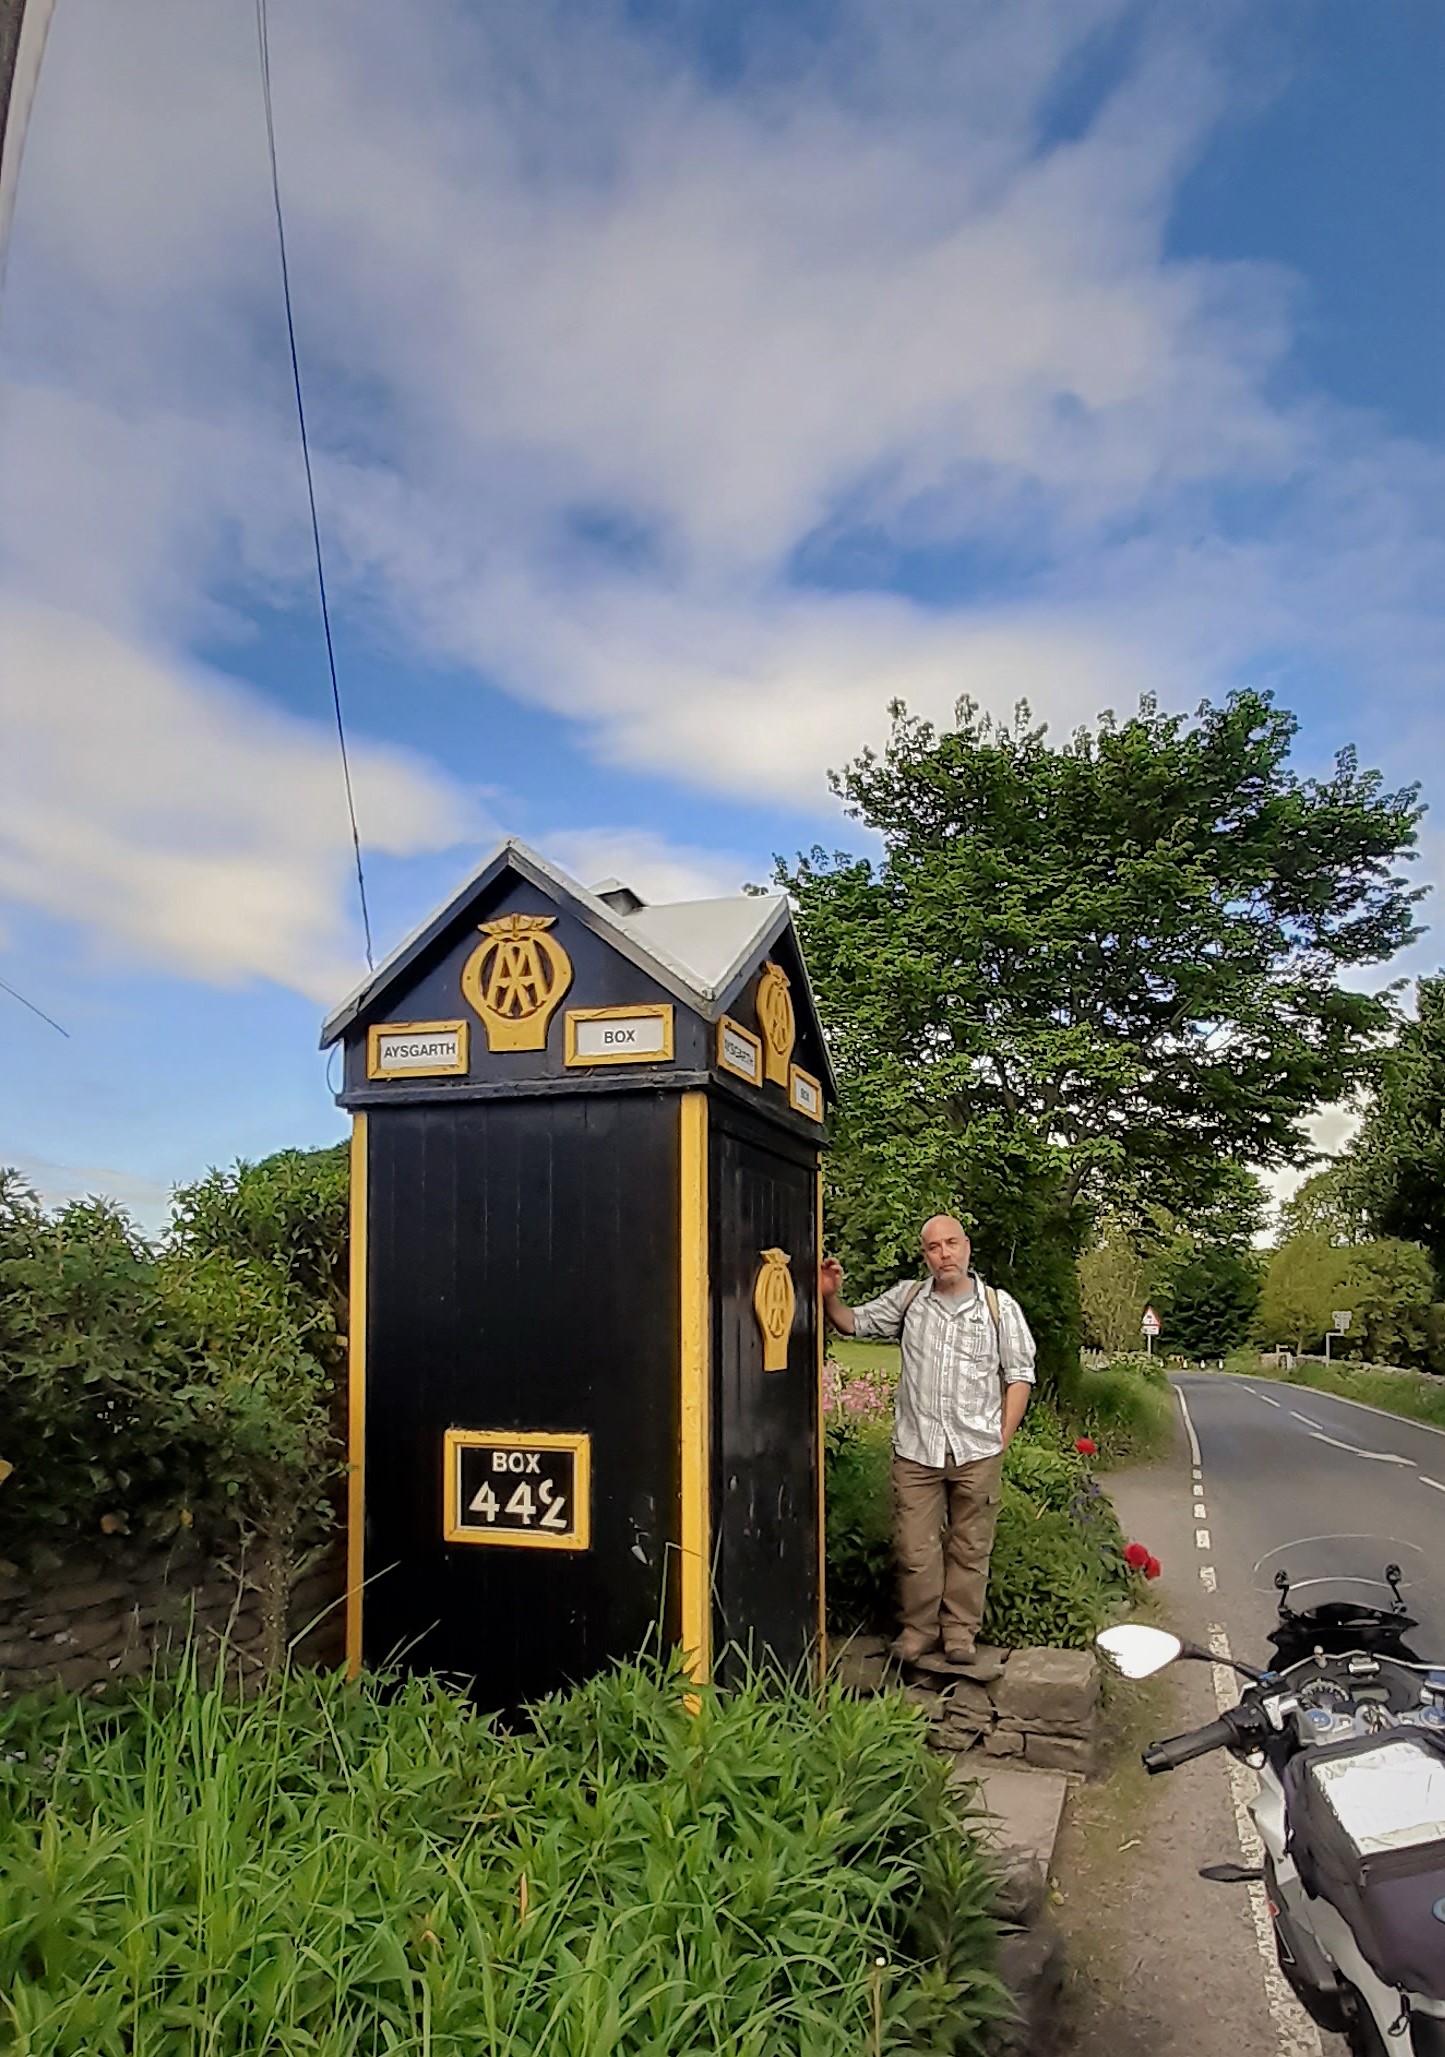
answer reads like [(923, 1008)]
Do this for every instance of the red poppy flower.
[(1153, 1568), (1086, 1446), (1136, 1556)]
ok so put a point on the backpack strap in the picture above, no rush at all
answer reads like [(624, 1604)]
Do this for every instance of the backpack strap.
[(991, 1302)]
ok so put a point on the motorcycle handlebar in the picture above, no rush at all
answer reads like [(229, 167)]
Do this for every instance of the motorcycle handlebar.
[(1215, 1735)]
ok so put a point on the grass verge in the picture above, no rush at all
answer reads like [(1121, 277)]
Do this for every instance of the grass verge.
[(1107, 1821)]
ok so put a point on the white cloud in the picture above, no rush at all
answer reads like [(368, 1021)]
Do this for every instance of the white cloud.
[(1330, 1131), (594, 350), (656, 869), (182, 822), (146, 1200)]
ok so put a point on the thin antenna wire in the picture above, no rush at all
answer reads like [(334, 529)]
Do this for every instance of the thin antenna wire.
[(264, 41), (33, 1008)]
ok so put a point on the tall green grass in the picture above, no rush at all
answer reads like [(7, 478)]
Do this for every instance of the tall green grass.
[(333, 1870), (1127, 1409)]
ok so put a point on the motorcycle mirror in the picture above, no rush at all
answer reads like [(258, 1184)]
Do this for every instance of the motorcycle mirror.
[(1137, 1650)]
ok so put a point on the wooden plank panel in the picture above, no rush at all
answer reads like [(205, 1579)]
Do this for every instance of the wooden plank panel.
[(529, 1251)]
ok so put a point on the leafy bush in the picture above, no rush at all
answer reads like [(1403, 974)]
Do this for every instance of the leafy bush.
[(290, 1213), (1058, 1574), (352, 1871), (142, 1390), (857, 1458)]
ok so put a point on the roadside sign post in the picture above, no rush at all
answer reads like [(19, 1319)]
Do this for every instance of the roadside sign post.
[(1150, 1326), (1342, 1322)]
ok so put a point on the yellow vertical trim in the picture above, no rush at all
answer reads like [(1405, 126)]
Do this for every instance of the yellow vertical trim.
[(696, 1526), (822, 1498), (356, 1401)]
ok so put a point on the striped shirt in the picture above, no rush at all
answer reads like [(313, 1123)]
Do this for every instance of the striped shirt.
[(949, 1407)]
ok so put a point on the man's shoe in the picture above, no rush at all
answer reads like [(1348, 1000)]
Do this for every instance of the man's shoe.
[(912, 1645), (960, 1653)]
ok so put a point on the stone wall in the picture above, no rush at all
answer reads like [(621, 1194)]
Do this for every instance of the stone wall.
[(122, 1609), (1040, 1707)]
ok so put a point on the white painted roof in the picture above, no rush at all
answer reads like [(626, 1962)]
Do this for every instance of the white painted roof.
[(716, 936), (710, 940)]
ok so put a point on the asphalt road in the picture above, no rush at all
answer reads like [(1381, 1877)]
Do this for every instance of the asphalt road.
[(1281, 1463), (1193, 1974)]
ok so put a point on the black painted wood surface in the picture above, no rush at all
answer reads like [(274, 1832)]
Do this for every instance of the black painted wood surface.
[(522, 1273), (765, 1456)]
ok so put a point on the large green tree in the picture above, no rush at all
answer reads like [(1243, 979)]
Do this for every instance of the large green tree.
[(1396, 1170), (1303, 1285), (1211, 1301), (1090, 971), (1325, 1205)]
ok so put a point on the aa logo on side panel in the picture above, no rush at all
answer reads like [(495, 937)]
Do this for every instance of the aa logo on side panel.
[(777, 1022), (773, 1302), (515, 979)]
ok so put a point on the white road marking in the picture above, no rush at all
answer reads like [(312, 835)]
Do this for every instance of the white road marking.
[(1208, 1579), (1304, 1418), (1267, 1401), (1295, 2033), (1376, 1456), (1432, 1482), (1201, 1539), (1189, 1427), (1201, 1512), (1380, 1413)]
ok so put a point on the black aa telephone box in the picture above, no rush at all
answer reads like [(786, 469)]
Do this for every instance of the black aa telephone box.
[(585, 1341)]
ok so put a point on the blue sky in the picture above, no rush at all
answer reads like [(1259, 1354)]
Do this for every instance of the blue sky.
[(685, 381)]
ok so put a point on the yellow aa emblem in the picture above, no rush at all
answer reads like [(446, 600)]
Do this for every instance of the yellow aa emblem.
[(773, 1303), (776, 1020), (515, 979)]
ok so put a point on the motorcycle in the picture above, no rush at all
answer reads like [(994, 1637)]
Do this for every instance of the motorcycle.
[(1345, 1730)]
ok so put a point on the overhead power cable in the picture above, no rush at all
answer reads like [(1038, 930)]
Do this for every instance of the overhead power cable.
[(263, 38), (33, 1008)]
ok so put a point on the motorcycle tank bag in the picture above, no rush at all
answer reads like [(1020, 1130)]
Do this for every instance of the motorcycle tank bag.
[(1367, 1834)]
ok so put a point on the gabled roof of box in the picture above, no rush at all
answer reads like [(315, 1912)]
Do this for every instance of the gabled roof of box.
[(697, 950)]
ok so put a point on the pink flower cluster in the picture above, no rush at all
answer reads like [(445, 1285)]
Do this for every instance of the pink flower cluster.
[(857, 1395)]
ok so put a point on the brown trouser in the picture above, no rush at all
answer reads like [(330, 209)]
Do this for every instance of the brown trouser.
[(942, 1583)]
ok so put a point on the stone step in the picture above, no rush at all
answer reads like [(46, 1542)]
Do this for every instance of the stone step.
[(1025, 1807)]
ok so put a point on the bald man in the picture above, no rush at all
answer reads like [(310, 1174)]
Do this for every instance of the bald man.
[(968, 1364)]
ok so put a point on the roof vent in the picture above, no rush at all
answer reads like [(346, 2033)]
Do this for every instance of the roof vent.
[(621, 899)]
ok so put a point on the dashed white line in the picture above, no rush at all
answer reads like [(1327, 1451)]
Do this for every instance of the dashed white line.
[(1364, 1407), (1189, 1428), (1295, 2032), (1432, 1482), (1201, 1512), (1201, 1539), (1304, 1418), (1375, 1456), (1207, 1578), (1267, 1401)]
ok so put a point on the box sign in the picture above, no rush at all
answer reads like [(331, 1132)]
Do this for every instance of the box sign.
[(525, 1489), (619, 1035), (417, 1049), (739, 1051), (805, 1094)]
